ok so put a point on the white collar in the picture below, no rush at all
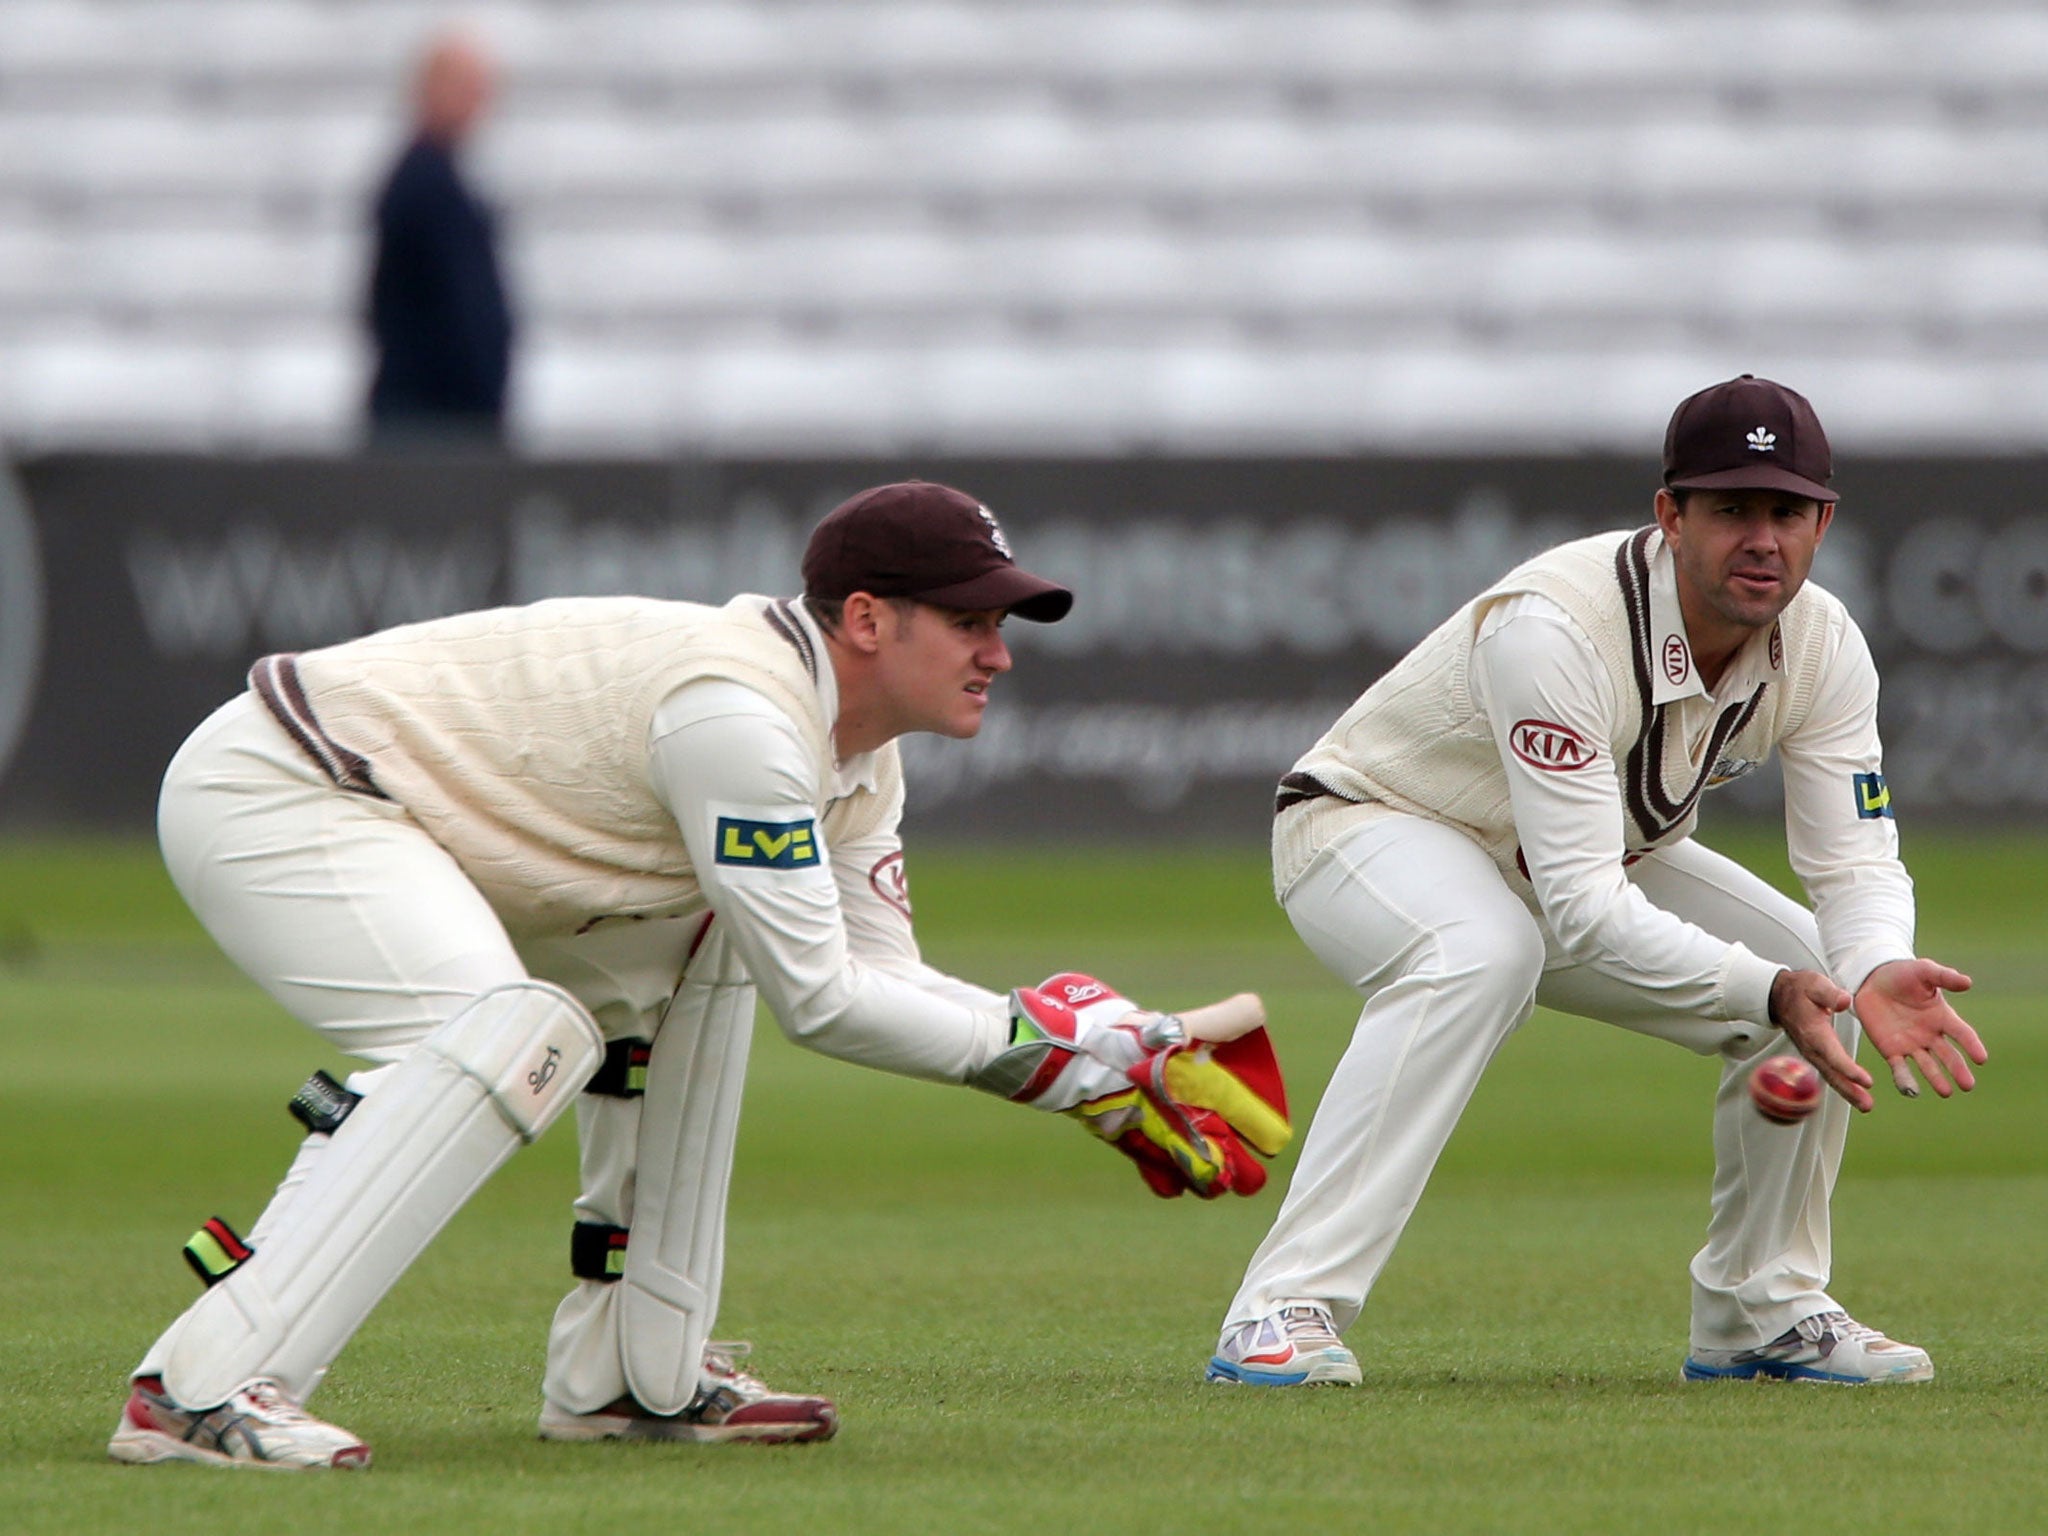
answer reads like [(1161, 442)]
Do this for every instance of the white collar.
[(1673, 674)]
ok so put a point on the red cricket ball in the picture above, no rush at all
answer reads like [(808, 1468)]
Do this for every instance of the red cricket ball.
[(1785, 1089)]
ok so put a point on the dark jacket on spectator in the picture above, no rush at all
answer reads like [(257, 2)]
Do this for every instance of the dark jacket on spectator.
[(438, 311)]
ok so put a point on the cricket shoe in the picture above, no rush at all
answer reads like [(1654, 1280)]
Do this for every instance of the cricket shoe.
[(258, 1427), (1296, 1346), (1829, 1346), (730, 1405)]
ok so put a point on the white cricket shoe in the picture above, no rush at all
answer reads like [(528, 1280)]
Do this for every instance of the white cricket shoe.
[(257, 1427), (1829, 1346), (730, 1405), (1296, 1346)]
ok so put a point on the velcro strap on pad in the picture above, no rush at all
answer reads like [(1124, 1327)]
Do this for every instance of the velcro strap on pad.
[(215, 1252), (321, 1104), (597, 1251), (624, 1073)]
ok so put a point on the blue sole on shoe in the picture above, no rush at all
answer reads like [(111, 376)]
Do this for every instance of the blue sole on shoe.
[(1769, 1369), (1221, 1369)]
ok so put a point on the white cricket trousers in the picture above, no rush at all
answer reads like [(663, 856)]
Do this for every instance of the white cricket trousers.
[(343, 909), (1416, 918)]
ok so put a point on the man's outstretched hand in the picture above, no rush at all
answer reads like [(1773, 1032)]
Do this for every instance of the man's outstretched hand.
[(1906, 1013), (1804, 1005)]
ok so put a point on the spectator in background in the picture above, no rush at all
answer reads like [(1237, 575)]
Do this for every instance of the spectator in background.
[(437, 310)]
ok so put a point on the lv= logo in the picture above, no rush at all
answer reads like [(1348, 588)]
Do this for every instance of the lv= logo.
[(767, 844)]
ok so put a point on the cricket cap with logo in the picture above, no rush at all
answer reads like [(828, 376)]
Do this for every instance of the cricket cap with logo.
[(1748, 434), (922, 540)]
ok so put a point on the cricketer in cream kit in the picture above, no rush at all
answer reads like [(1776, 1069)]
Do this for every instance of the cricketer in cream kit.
[(1412, 848), (536, 857), (597, 776), (1579, 660)]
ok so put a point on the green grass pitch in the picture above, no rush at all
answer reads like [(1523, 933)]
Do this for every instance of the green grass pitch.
[(1013, 1327)]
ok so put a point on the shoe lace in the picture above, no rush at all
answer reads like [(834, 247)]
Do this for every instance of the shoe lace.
[(721, 1361), (1826, 1331), (277, 1408), (1308, 1326)]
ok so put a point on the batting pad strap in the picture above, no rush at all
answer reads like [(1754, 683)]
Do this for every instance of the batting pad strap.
[(215, 1252), (597, 1251), (623, 1074), (321, 1104)]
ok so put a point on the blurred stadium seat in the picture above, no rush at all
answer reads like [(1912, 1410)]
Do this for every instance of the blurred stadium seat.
[(1187, 225)]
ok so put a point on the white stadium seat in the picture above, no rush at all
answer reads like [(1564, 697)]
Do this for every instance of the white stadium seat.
[(824, 225)]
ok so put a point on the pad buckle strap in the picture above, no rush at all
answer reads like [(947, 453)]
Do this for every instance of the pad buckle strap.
[(597, 1251), (215, 1252), (322, 1104), (624, 1072)]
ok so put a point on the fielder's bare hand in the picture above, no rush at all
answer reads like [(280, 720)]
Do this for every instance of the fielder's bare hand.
[(1908, 1018), (1804, 1005)]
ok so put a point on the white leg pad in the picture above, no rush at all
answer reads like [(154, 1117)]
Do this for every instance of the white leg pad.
[(660, 1166), (689, 1121), (434, 1128), (584, 1372)]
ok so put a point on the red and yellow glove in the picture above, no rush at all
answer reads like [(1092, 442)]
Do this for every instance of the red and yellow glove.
[(1189, 1113)]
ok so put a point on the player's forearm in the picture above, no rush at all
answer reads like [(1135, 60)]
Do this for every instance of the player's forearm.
[(1840, 834), (1613, 929), (1865, 921), (937, 983), (1862, 896), (875, 1019), (1573, 850)]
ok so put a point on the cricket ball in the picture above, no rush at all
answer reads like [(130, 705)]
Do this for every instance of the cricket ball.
[(1785, 1089)]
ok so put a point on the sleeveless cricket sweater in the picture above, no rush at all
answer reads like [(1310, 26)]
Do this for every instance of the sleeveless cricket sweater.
[(518, 738), (1417, 740)]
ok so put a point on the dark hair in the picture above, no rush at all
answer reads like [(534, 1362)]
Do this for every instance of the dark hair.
[(1695, 493)]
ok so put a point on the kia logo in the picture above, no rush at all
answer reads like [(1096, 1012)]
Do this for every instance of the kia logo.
[(1549, 746)]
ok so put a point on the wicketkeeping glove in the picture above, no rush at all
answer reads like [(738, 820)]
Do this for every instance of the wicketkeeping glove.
[(1189, 1113)]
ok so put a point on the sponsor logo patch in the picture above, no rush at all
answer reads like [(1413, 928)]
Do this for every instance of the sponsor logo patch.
[(890, 882), (767, 844), (1553, 748), (1677, 660), (544, 1074), (1873, 796)]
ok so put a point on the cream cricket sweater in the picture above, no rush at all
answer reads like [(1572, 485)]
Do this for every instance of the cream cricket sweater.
[(1419, 742), (518, 738)]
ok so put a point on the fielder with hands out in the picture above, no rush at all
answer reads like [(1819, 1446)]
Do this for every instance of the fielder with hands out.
[(533, 857), (1504, 820)]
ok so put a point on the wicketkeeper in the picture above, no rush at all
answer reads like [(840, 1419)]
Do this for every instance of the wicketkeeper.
[(1505, 819), (533, 857)]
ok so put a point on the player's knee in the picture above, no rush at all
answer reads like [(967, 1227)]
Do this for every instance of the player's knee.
[(529, 1045), (1496, 964)]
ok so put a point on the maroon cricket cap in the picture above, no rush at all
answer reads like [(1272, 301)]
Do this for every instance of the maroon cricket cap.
[(1748, 434), (930, 542)]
